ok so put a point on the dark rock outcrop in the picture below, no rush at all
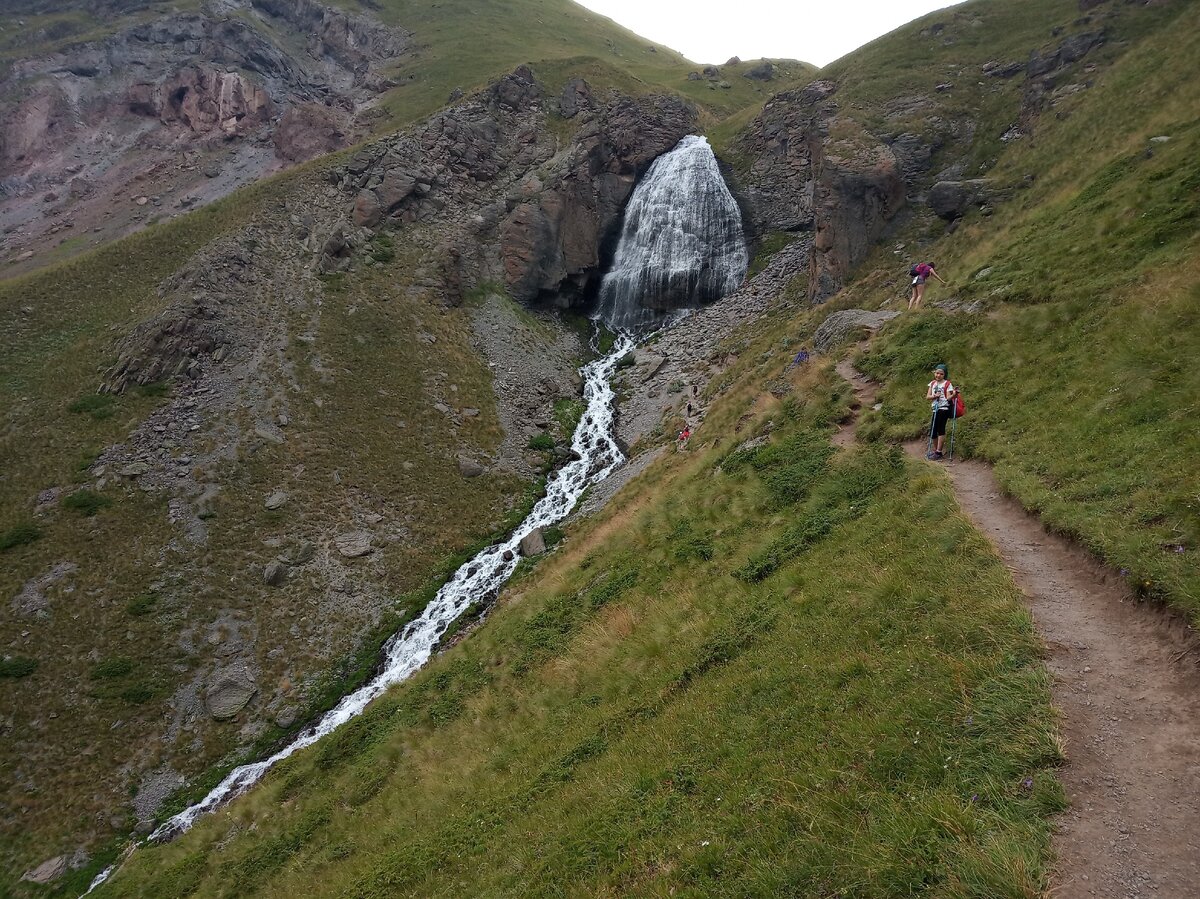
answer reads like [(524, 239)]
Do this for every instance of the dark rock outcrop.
[(844, 188), (764, 71), (551, 242), (546, 236), (951, 199)]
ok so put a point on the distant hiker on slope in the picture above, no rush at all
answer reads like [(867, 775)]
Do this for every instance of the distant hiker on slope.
[(920, 273), (941, 394)]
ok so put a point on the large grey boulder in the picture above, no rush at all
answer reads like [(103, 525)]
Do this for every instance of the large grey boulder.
[(840, 324), (951, 199), (354, 544), (533, 543), (49, 870), (229, 691), (469, 468)]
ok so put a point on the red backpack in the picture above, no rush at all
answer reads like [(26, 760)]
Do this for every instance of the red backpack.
[(960, 408)]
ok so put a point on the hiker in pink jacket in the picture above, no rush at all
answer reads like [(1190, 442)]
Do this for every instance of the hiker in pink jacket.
[(920, 272)]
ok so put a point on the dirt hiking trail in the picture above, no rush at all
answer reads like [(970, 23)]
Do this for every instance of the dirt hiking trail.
[(1126, 684)]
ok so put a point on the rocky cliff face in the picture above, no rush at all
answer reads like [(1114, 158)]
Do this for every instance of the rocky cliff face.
[(814, 169), (526, 210), (103, 136)]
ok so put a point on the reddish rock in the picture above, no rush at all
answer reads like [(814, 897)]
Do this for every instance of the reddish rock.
[(368, 211), (204, 100), (309, 130)]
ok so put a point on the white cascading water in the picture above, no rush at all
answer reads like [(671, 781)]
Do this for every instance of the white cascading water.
[(681, 243), (596, 455)]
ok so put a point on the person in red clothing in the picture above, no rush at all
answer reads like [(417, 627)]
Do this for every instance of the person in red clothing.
[(921, 272)]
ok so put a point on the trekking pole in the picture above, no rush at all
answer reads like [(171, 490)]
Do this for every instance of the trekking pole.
[(932, 424), (953, 426)]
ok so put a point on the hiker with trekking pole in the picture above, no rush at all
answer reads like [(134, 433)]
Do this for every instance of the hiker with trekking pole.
[(947, 406), (920, 272)]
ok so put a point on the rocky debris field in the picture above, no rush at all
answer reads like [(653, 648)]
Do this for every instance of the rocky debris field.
[(673, 369)]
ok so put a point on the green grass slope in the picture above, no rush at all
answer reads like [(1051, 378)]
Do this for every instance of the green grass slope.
[(85, 684), (1080, 367), (743, 678)]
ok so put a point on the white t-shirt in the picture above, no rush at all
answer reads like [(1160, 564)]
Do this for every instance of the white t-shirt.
[(941, 393)]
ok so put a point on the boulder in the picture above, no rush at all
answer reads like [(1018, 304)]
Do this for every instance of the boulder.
[(275, 573), (764, 71), (838, 326), (368, 210), (354, 544), (397, 186), (276, 500), (229, 690), (951, 199), (469, 468), (49, 870), (533, 543)]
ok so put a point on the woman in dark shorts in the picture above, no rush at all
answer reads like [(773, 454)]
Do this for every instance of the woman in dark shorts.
[(940, 393), (922, 272)]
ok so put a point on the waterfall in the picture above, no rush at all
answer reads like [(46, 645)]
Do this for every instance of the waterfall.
[(681, 242)]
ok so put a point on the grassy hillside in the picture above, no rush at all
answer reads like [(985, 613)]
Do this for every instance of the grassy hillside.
[(739, 679), (1079, 366), (745, 675)]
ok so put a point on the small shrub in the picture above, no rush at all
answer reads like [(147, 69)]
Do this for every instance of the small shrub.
[(552, 535), (141, 605), (17, 666), (382, 248), (541, 442), (87, 502), (117, 666), (153, 389), (98, 405), (19, 535), (626, 361), (136, 694)]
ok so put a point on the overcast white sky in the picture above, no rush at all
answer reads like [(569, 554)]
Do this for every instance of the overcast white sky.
[(815, 31)]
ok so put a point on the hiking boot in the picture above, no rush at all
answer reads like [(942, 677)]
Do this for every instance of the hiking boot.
[(935, 455)]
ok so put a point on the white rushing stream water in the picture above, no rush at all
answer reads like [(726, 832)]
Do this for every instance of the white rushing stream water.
[(681, 244), (482, 577)]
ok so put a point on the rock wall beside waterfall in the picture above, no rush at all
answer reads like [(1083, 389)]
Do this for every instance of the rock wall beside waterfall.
[(813, 169), (552, 236)]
